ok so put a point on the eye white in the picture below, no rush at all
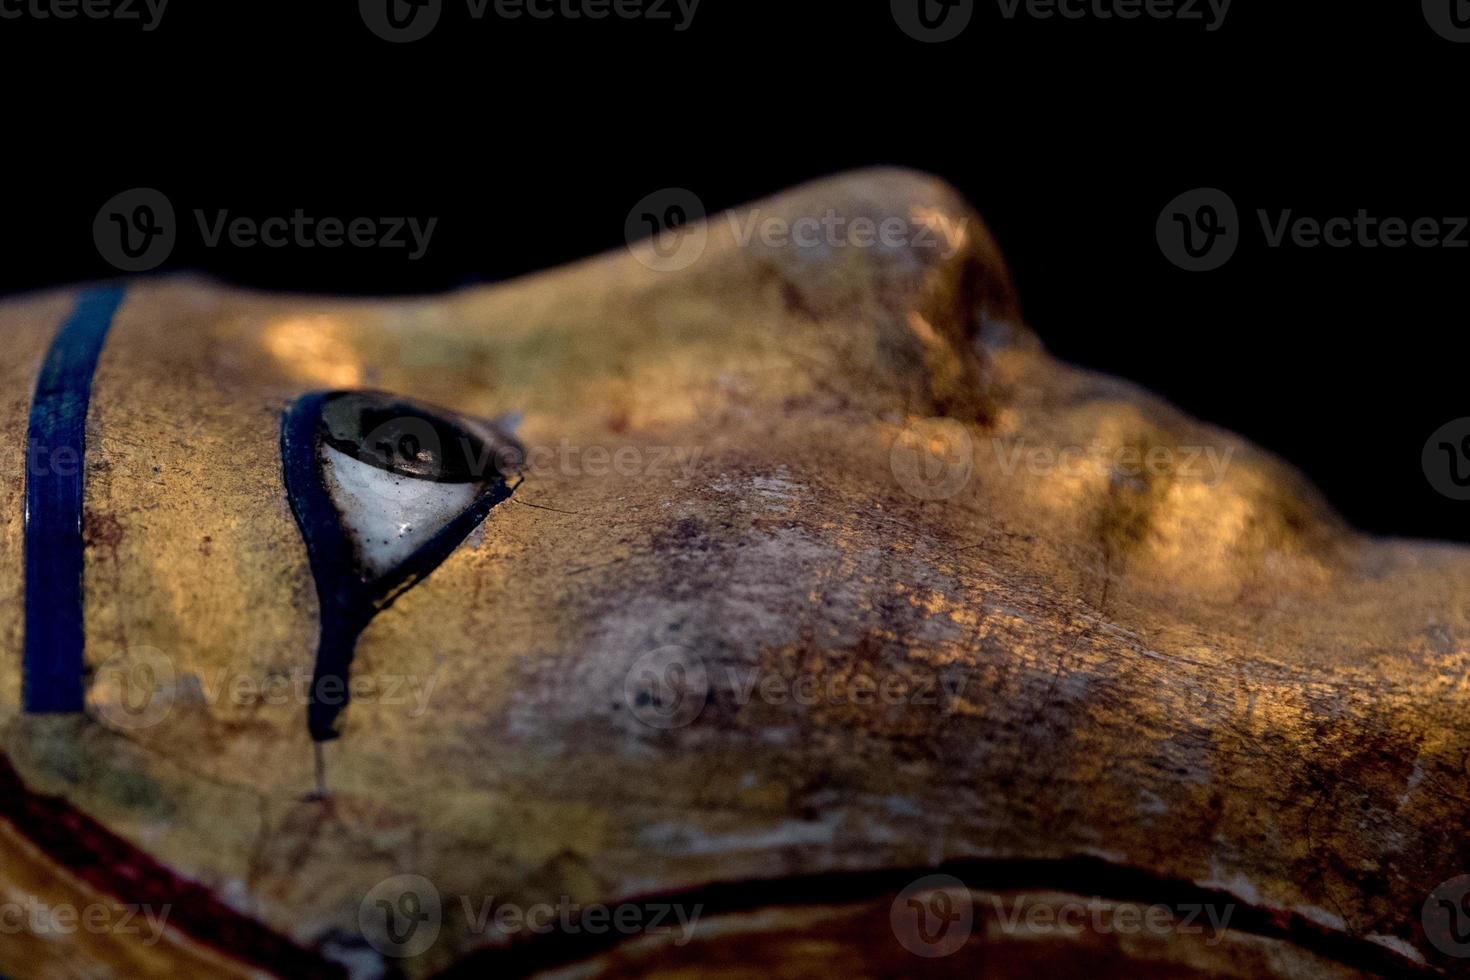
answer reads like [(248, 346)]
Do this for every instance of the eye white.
[(388, 516)]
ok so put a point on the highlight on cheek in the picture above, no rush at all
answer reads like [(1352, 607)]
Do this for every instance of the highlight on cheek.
[(316, 349)]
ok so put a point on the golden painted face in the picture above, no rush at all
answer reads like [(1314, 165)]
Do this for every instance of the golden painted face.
[(820, 571)]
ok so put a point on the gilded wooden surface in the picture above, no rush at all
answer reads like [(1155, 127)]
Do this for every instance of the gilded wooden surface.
[(1103, 635)]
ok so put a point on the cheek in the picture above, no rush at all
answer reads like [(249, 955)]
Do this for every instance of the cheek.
[(456, 648)]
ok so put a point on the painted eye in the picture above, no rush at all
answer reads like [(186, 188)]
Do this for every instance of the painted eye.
[(383, 490), (397, 473)]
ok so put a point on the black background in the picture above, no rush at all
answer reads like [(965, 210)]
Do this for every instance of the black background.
[(531, 140)]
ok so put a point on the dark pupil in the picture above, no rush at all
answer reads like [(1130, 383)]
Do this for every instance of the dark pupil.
[(404, 439), (407, 452)]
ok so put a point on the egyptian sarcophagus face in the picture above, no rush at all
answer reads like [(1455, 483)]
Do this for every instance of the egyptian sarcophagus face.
[(715, 606)]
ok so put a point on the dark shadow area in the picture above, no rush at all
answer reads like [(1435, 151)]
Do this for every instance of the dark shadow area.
[(529, 141)]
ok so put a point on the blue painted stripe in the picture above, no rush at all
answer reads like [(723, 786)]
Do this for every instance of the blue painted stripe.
[(55, 466)]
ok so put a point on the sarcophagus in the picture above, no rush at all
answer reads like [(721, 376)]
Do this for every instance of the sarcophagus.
[(750, 601)]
